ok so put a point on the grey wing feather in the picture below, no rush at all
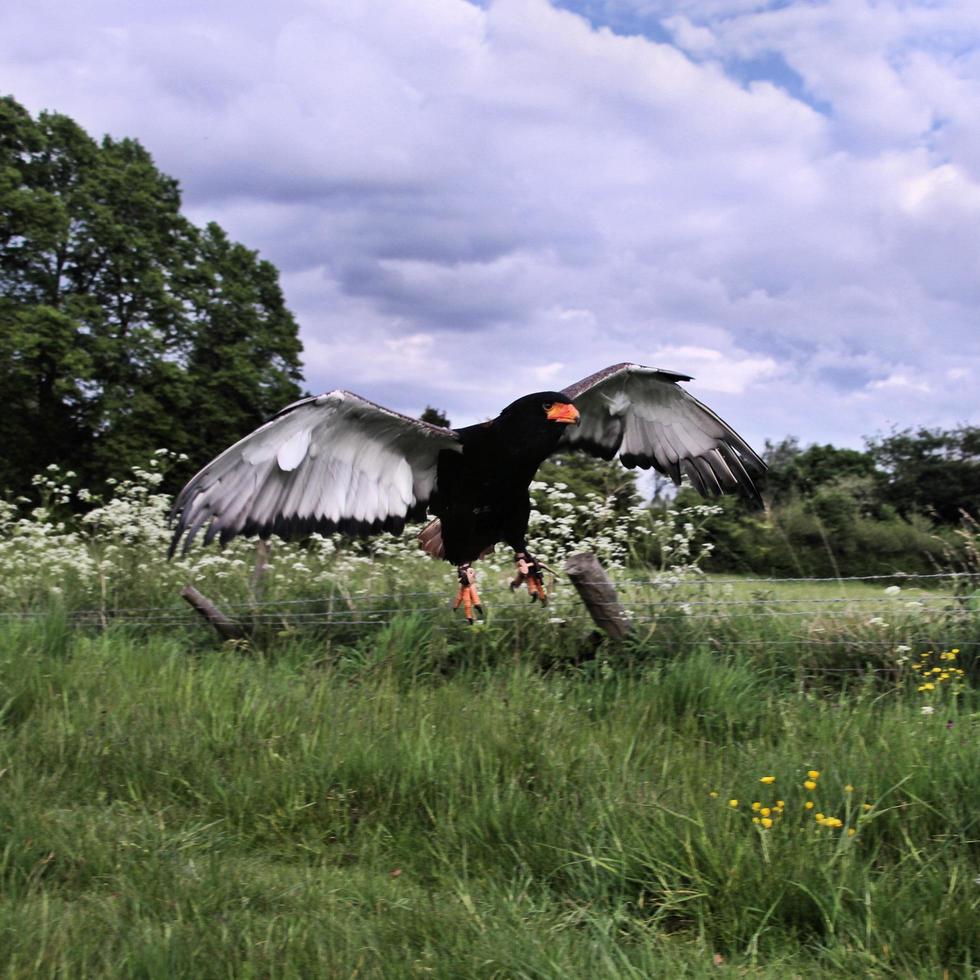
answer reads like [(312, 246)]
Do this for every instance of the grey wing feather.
[(332, 462), (645, 417)]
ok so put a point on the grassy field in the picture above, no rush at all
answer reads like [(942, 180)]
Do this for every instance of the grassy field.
[(412, 798)]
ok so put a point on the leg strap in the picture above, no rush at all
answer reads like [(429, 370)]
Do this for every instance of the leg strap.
[(530, 571), (467, 596)]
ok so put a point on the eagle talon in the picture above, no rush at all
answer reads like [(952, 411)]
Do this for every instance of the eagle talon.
[(529, 571), (467, 596)]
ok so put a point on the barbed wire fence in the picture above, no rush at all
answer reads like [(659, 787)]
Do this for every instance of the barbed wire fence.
[(682, 613)]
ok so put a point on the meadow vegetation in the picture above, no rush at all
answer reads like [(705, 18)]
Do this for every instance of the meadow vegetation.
[(768, 779), (431, 802)]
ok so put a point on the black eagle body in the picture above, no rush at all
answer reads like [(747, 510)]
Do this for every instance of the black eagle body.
[(481, 494), (340, 462)]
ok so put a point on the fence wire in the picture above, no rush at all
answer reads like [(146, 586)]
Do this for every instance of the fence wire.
[(647, 600)]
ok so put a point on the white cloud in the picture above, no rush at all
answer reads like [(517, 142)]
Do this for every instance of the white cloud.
[(717, 371), (689, 37), (468, 203), (901, 381)]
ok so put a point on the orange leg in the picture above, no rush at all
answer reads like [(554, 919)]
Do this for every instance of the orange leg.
[(530, 571), (467, 596)]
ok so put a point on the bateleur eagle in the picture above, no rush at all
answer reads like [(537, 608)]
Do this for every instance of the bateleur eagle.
[(338, 462)]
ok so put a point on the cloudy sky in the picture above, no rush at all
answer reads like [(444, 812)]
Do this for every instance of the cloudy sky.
[(468, 201)]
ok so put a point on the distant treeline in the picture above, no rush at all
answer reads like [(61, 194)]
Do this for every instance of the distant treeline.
[(902, 504)]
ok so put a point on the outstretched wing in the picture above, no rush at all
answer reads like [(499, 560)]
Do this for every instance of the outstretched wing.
[(643, 415), (333, 462)]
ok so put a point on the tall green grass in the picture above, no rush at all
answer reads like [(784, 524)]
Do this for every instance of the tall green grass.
[(429, 802)]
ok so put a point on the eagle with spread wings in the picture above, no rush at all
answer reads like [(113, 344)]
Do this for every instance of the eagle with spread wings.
[(338, 462)]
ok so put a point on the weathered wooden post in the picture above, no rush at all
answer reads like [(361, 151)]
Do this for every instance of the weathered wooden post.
[(257, 581), (597, 592), (227, 628)]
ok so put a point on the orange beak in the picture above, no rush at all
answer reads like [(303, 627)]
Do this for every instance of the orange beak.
[(563, 412)]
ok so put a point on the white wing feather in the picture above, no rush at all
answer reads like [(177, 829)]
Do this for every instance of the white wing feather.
[(645, 417), (331, 462)]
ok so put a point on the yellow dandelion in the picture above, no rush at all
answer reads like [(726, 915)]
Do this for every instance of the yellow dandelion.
[(927, 687), (808, 805), (757, 805), (733, 803), (809, 784), (767, 779), (755, 820), (814, 773), (851, 831), (848, 788), (780, 804), (765, 811), (766, 822), (713, 795), (819, 818)]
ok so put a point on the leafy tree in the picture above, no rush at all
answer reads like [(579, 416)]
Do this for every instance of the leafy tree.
[(583, 474), (796, 472), (435, 416), (123, 327), (929, 471), (242, 366)]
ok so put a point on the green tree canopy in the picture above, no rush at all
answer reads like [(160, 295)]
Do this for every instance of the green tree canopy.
[(435, 416), (796, 472), (583, 474), (935, 472), (123, 327), (929, 472)]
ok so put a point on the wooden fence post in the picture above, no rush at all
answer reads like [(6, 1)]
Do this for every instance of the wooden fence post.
[(227, 628), (257, 581), (597, 592)]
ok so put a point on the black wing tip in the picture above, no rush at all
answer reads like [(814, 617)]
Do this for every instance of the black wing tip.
[(634, 461), (177, 514), (591, 448), (297, 528), (292, 529)]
